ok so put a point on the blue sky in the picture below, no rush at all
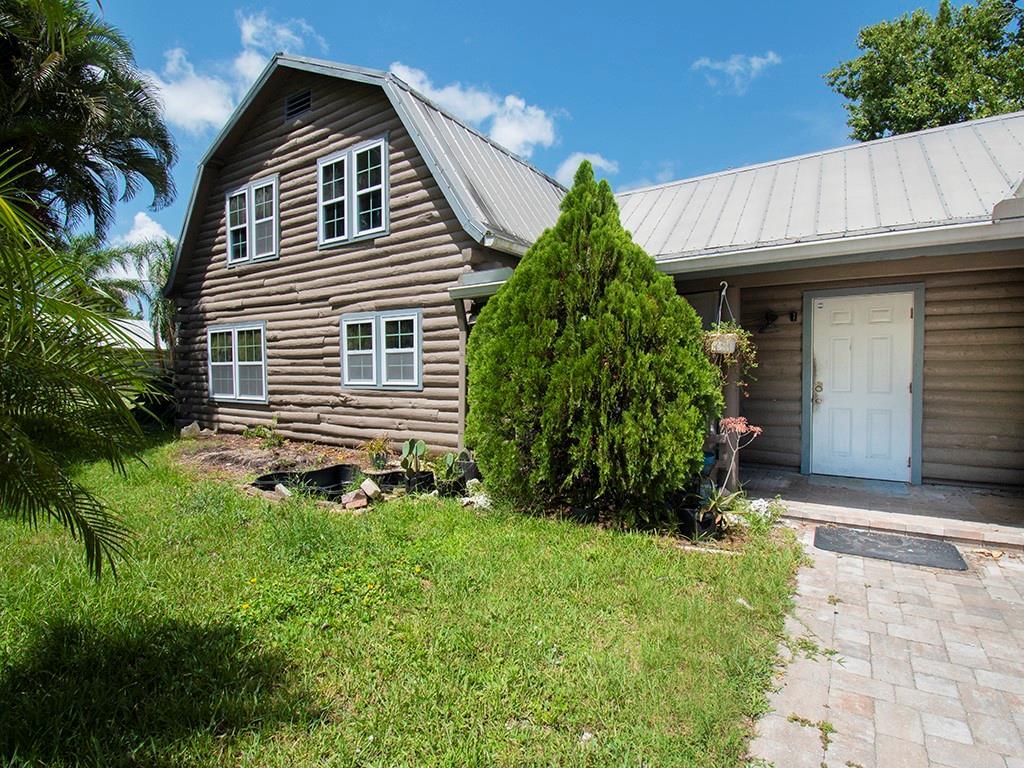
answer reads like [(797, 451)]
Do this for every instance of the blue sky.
[(652, 91)]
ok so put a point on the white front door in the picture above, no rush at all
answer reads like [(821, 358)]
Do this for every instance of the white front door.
[(861, 400)]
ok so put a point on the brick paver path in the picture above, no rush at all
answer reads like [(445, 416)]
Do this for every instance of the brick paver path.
[(927, 669)]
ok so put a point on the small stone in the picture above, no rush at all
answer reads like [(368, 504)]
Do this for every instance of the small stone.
[(474, 486), (191, 431), (351, 496), (586, 738), (281, 491), (370, 488), (358, 502)]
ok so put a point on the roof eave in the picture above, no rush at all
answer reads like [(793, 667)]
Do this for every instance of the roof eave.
[(958, 238)]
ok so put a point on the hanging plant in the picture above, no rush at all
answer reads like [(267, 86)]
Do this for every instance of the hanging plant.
[(728, 343)]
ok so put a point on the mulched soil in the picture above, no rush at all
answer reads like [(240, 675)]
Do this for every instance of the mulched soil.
[(237, 458)]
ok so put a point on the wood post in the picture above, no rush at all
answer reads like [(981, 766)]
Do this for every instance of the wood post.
[(729, 457)]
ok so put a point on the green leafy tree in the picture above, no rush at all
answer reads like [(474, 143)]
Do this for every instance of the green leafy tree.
[(920, 71), (588, 384), (68, 377), (76, 104)]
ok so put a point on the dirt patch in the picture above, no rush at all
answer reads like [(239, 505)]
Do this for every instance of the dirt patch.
[(237, 458)]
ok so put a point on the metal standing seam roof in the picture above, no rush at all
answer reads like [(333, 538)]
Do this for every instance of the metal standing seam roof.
[(513, 200), (942, 176), (937, 177)]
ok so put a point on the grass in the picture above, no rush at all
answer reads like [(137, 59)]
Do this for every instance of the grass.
[(248, 633)]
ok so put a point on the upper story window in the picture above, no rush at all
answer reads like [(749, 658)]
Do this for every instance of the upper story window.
[(238, 361), (382, 349), (352, 193), (252, 216)]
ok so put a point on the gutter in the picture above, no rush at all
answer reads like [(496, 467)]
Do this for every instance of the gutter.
[(1004, 234)]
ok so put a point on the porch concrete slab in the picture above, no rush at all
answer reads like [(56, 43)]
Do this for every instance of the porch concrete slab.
[(988, 517), (936, 698)]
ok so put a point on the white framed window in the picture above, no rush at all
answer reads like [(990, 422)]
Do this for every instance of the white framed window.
[(369, 213), (238, 361), (401, 346), (352, 193), (238, 226), (252, 219), (382, 349), (331, 195), (359, 356)]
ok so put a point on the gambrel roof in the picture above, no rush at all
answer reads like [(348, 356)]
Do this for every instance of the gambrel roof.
[(500, 200)]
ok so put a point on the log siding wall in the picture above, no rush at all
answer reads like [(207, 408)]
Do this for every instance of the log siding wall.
[(973, 410), (302, 294)]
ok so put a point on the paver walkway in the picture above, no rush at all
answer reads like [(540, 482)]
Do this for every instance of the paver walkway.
[(927, 669)]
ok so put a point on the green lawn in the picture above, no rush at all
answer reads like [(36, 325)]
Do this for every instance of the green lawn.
[(257, 634)]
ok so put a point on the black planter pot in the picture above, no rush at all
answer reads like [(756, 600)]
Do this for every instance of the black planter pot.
[(469, 469), (695, 524), (419, 482), (451, 487)]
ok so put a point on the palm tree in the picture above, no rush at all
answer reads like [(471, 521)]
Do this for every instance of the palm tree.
[(68, 376), (108, 269), (75, 102), (153, 259)]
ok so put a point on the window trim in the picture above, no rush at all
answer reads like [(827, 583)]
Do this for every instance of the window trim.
[(384, 320), (377, 319), (233, 329), (321, 223), (346, 321), (356, 151), (248, 191), (352, 232)]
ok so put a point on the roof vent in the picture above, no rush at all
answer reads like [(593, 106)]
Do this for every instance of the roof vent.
[(297, 103)]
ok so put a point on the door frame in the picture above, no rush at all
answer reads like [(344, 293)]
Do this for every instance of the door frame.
[(807, 367)]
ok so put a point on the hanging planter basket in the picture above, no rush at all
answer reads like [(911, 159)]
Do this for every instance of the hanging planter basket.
[(722, 343)]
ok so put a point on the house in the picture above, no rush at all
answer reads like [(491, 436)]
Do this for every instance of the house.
[(344, 231)]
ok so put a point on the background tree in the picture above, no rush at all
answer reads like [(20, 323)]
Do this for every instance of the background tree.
[(588, 384), (153, 259), (76, 104), (68, 377), (921, 71), (106, 269)]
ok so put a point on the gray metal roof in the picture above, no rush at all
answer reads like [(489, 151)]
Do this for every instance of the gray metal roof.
[(500, 192), (942, 176)]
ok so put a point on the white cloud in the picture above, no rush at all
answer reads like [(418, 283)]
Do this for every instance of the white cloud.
[(198, 102), (192, 101), (567, 170), (736, 72), (143, 228), (509, 120)]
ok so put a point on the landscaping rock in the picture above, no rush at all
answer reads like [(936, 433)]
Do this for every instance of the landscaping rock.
[(281, 491), (474, 487), (358, 502), (190, 432), (370, 488)]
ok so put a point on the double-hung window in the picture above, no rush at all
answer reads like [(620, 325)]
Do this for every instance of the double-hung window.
[(252, 216), (238, 362), (382, 349), (352, 193)]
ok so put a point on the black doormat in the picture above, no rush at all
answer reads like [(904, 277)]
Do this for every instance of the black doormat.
[(888, 546)]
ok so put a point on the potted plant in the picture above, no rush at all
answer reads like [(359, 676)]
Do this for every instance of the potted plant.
[(448, 475), (417, 480), (378, 451), (731, 347)]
